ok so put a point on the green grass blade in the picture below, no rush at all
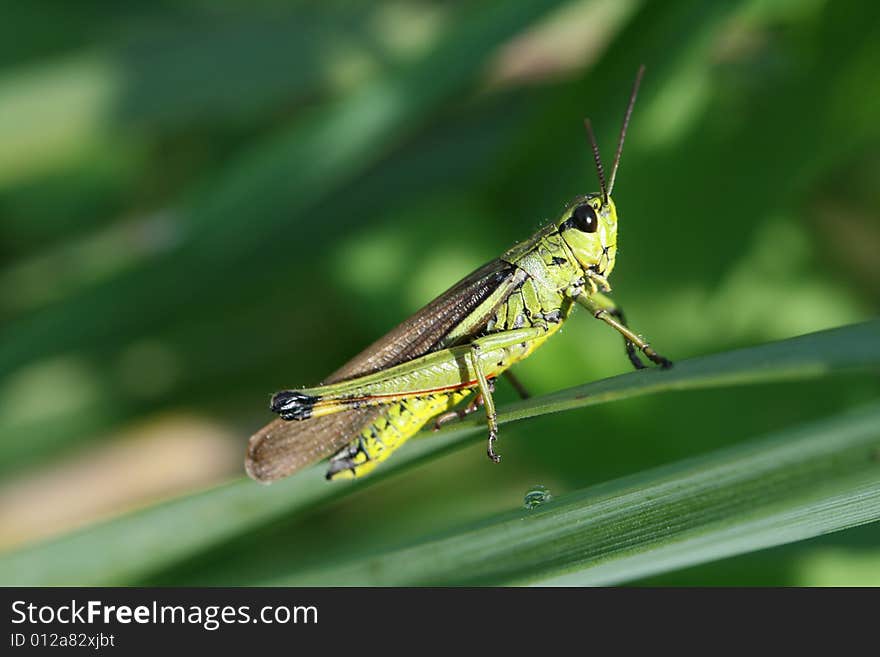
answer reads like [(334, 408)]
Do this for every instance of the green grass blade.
[(796, 484), (269, 191), (811, 356), (125, 549)]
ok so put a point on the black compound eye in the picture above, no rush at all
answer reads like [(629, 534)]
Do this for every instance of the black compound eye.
[(584, 219)]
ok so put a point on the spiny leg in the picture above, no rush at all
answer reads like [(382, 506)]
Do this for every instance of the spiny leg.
[(629, 345), (652, 355), (597, 301), (488, 403), (517, 384), (461, 413), (604, 309)]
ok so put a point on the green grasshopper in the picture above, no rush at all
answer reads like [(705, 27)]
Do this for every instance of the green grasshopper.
[(455, 346)]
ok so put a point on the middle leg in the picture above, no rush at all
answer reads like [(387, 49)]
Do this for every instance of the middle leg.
[(488, 402)]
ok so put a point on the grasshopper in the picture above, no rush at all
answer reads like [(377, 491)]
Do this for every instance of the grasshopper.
[(456, 346)]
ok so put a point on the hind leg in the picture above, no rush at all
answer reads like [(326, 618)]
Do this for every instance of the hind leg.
[(459, 414)]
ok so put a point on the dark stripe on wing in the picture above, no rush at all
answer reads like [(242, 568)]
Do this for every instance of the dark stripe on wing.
[(283, 447), (423, 331)]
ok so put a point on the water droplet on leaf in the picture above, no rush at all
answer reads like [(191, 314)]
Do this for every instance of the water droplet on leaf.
[(536, 496)]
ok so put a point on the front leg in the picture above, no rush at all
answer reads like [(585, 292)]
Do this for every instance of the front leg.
[(603, 308), (617, 312)]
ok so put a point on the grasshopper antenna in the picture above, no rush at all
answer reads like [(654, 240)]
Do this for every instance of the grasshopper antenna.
[(599, 168), (629, 110)]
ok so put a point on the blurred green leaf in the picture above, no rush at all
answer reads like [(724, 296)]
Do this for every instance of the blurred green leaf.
[(123, 550), (793, 485), (270, 191)]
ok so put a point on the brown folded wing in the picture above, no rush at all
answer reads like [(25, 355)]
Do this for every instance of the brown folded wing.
[(283, 447)]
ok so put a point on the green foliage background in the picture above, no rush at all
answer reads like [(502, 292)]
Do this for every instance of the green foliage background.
[(201, 203)]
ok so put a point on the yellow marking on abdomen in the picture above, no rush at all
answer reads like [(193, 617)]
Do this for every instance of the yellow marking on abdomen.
[(398, 423), (403, 419)]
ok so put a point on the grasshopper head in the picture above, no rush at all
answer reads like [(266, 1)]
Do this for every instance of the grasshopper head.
[(589, 225), (589, 228)]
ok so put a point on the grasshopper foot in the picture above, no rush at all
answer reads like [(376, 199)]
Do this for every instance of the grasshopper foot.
[(633, 356), (490, 449), (654, 357)]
